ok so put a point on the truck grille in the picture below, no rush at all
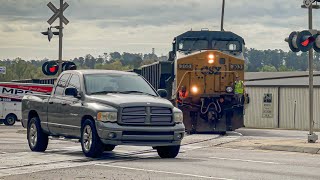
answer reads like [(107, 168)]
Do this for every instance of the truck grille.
[(146, 116)]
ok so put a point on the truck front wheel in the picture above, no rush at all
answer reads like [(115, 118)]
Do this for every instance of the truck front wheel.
[(90, 141), (168, 151), (37, 139)]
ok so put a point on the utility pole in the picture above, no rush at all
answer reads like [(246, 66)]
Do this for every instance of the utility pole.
[(222, 14)]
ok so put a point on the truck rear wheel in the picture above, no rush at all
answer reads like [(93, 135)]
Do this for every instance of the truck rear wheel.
[(37, 139), (90, 141), (10, 120), (168, 151)]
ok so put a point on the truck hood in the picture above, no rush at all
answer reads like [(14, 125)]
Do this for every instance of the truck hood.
[(125, 100)]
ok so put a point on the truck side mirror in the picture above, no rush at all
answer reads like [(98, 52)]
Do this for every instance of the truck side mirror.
[(71, 91), (163, 93)]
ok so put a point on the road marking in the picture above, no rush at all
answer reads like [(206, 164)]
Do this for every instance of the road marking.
[(244, 160), (164, 172)]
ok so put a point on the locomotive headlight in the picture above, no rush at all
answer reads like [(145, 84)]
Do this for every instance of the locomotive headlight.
[(211, 59), (194, 89), (178, 117), (229, 89)]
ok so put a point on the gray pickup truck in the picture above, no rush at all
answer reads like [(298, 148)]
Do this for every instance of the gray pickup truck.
[(103, 109)]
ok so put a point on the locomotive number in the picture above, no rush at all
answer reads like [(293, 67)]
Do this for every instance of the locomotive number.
[(185, 66), (236, 67)]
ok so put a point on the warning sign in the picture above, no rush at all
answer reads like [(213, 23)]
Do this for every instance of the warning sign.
[(267, 106)]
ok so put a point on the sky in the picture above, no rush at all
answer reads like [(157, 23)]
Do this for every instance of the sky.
[(102, 26)]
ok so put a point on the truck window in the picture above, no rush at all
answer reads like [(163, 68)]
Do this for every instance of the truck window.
[(61, 85), (74, 82)]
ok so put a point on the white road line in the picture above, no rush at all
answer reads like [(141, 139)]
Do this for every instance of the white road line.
[(164, 172), (244, 160)]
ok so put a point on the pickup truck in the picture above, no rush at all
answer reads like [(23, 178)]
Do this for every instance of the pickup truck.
[(103, 109)]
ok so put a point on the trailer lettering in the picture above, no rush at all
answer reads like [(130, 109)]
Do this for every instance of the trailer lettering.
[(4, 90)]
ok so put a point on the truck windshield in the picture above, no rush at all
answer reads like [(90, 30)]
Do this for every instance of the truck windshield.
[(117, 83)]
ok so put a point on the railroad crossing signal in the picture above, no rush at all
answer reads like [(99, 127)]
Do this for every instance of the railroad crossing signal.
[(51, 68), (57, 12), (304, 41), (50, 34)]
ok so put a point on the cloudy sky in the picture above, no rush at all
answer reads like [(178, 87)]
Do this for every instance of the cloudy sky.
[(98, 26)]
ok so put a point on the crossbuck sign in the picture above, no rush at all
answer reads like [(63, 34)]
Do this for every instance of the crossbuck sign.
[(57, 12)]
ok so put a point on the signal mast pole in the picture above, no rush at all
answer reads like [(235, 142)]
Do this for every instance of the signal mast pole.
[(222, 14), (60, 36), (312, 137)]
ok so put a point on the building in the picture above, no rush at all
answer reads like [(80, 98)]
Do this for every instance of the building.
[(281, 100)]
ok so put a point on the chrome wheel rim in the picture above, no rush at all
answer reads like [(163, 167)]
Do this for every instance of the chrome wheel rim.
[(87, 138), (33, 138), (10, 120)]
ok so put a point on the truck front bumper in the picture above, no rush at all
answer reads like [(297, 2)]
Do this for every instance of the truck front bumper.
[(114, 134)]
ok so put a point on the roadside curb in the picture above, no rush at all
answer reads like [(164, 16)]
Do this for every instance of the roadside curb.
[(310, 150)]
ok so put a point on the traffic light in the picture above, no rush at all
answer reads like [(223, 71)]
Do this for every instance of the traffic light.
[(50, 68), (303, 41)]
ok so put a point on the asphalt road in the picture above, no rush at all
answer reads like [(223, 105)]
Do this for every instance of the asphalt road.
[(200, 158)]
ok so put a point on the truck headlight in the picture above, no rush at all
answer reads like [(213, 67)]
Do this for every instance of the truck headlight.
[(178, 117), (107, 116), (229, 89)]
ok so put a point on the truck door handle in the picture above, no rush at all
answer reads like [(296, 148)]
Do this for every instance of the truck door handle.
[(50, 102), (63, 104)]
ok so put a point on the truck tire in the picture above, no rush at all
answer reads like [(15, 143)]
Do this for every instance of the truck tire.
[(168, 151), (37, 139), (90, 141), (10, 120), (109, 147)]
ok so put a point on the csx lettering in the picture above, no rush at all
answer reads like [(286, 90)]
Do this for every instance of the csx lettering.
[(210, 70)]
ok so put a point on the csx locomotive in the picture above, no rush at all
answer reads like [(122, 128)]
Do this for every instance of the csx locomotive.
[(200, 76)]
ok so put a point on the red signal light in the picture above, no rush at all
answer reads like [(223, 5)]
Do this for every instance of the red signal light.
[(53, 69), (308, 41), (305, 43)]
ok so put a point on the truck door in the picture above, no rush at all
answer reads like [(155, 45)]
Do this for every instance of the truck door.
[(56, 106), (72, 117)]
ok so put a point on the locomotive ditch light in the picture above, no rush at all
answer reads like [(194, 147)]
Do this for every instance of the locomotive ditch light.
[(194, 89)]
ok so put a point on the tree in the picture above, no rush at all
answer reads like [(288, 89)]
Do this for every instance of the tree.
[(268, 68)]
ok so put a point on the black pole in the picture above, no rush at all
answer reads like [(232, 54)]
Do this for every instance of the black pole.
[(222, 14)]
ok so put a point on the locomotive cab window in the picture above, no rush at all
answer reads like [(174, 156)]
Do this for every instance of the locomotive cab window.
[(193, 44), (226, 45)]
